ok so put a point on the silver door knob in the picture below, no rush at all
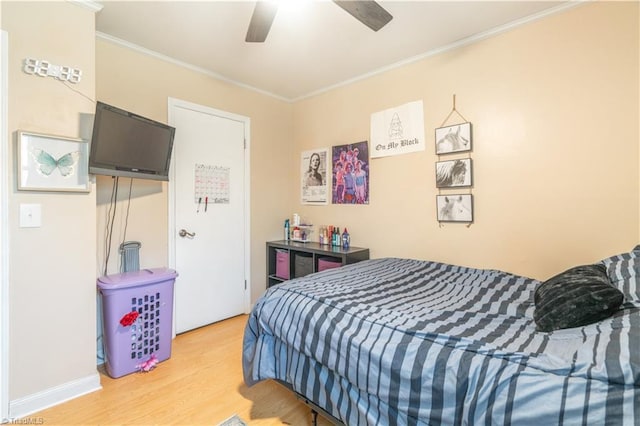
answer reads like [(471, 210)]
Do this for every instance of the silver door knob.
[(184, 233)]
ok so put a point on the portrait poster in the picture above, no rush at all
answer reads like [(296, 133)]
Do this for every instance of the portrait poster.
[(314, 182), (398, 130), (350, 173)]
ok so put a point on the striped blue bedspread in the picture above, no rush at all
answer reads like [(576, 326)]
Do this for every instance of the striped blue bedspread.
[(407, 342)]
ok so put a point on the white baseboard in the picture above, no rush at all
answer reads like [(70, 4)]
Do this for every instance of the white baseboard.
[(39, 401)]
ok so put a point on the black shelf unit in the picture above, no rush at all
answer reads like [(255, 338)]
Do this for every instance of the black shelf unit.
[(312, 250)]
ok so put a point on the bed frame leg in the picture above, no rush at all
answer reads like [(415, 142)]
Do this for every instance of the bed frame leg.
[(314, 418)]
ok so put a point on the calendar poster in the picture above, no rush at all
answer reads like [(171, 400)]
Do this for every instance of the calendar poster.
[(211, 184)]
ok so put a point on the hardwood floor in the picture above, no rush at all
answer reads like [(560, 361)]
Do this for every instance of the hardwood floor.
[(201, 384)]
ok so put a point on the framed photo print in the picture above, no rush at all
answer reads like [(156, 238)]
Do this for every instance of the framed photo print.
[(456, 138), (455, 208), (454, 173), (52, 163)]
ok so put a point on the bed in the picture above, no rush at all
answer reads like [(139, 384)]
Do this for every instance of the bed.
[(407, 342)]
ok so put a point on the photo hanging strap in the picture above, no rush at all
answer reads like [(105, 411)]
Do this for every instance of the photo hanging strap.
[(453, 109)]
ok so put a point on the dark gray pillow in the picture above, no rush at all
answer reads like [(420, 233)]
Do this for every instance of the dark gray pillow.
[(579, 296)]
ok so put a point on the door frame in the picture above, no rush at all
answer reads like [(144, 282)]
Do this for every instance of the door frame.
[(4, 235), (177, 103)]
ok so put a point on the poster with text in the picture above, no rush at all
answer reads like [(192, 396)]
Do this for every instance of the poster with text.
[(350, 173), (398, 130), (313, 169)]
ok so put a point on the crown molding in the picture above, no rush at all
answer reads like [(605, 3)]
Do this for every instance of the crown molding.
[(455, 45), (92, 5), (153, 53), (293, 99)]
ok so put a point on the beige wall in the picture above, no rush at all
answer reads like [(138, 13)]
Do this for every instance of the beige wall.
[(143, 83), (51, 268), (554, 109)]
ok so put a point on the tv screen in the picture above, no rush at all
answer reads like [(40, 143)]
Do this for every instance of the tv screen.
[(129, 145)]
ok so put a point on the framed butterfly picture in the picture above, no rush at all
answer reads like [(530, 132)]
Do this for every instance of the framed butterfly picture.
[(52, 163)]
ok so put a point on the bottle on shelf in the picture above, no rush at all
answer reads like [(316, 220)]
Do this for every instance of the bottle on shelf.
[(287, 235), (322, 235), (346, 239)]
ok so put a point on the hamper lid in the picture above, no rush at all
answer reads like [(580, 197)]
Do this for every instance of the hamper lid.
[(136, 278)]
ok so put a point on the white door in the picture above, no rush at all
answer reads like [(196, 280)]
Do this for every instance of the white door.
[(208, 218)]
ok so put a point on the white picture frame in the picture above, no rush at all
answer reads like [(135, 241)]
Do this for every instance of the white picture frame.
[(52, 163)]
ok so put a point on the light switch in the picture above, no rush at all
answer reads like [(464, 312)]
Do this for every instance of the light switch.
[(30, 215)]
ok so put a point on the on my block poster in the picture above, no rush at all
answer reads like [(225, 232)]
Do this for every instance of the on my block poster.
[(398, 130)]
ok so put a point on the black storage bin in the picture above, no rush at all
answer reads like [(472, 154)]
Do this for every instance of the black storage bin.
[(303, 265)]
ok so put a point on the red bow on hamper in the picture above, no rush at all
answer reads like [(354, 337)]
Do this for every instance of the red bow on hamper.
[(129, 318)]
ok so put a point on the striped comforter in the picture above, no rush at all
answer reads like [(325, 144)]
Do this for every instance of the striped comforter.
[(407, 342)]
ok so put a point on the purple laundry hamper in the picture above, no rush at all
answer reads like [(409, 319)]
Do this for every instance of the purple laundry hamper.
[(150, 293)]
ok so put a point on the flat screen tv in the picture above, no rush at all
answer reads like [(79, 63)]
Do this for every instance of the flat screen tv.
[(129, 145)]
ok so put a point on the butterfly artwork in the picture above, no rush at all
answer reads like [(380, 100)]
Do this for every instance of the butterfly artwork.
[(52, 163), (46, 163)]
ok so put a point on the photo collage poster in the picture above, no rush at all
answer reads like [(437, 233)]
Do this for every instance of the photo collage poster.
[(350, 173)]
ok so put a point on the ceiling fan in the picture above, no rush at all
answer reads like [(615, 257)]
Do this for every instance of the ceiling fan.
[(368, 12)]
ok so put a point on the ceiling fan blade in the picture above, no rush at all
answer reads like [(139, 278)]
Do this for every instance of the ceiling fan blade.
[(368, 12), (261, 21)]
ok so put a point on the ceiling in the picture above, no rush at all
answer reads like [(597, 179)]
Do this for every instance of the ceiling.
[(313, 45)]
